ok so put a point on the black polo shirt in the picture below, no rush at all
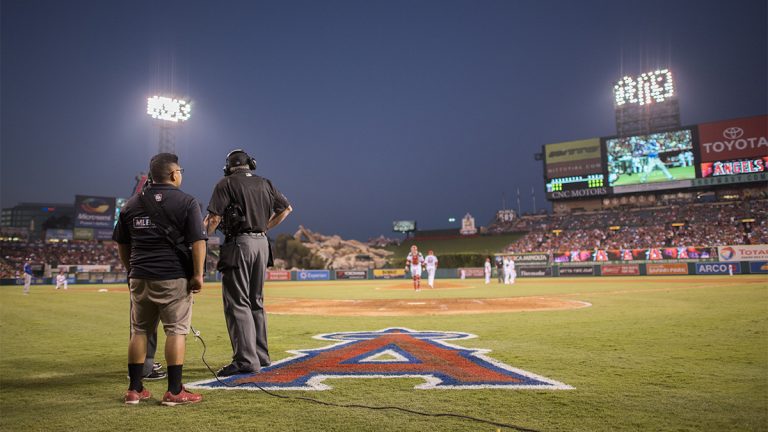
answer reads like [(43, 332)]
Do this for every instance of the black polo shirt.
[(256, 195), (152, 256)]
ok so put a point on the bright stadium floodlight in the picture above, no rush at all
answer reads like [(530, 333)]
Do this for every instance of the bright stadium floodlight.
[(648, 88), (168, 109)]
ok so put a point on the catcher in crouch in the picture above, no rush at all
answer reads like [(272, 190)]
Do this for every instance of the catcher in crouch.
[(413, 263)]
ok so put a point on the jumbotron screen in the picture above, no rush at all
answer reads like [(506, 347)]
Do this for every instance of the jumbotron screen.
[(654, 158)]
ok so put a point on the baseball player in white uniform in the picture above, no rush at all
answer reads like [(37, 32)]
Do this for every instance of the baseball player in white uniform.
[(61, 279), (413, 263), (431, 264), (509, 271), (487, 270)]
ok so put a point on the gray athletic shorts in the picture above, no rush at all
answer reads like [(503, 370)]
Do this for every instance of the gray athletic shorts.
[(168, 301)]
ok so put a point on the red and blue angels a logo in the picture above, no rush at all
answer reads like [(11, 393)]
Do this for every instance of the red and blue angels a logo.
[(389, 353)]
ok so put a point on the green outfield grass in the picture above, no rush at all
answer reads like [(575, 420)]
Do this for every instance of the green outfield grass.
[(679, 173), (666, 353), (480, 244)]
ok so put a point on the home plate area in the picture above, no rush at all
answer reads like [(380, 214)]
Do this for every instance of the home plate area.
[(388, 353)]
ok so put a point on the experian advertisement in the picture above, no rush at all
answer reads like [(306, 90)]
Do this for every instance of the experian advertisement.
[(743, 253), (742, 138), (718, 268), (573, 158), (94, 212), (305, 275)]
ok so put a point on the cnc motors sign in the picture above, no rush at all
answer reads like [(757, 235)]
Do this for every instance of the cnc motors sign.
[(389, 353), (743, 253), (734, 139)]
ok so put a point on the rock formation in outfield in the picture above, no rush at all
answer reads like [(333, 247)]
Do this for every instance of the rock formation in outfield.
[(340, 254)]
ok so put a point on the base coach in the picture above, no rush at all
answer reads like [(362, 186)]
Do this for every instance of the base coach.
[(245, 206)]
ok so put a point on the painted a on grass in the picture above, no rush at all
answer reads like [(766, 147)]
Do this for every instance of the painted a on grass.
[(388, 353)]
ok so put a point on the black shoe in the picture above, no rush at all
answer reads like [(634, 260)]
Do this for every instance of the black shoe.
[(156, 374), (157, 366), (230, 370)]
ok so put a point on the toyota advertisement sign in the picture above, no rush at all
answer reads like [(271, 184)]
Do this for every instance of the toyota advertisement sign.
[(745, 138)]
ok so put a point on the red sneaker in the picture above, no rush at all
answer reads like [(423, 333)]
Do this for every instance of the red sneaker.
[(132, 397), (184, 397)]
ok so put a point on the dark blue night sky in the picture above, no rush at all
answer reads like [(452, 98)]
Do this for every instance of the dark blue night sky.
[(361, 112)]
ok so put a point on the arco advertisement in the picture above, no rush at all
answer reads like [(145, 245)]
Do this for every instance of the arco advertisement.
[(718, 268)]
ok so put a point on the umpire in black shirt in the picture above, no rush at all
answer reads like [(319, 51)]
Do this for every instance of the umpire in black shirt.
[(246, 206)]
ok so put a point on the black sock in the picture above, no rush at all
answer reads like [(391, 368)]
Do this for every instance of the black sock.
[(174, 378), (135, 374)]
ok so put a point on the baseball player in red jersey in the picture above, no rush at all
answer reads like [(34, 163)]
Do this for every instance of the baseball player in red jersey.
[(413, 263)]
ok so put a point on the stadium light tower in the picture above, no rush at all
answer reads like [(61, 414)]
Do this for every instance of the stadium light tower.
[(169, 113), (646, 103)]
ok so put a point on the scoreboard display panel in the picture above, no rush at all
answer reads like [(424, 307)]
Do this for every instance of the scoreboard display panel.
[(576, 186), (665, 158), (574, 169)]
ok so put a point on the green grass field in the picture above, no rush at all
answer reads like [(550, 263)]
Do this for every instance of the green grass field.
[(664, 353), (679, 173), (480, 244)]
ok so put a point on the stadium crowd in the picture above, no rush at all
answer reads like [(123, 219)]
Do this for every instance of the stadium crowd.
[(673, 225), (13, 255)]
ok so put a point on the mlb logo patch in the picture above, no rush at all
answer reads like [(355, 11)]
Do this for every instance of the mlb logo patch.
[(389, 353)]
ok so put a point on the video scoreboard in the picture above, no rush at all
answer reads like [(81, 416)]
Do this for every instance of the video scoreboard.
[(725, 152)]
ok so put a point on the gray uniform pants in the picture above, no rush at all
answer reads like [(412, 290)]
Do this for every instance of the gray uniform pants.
[(243, 292)]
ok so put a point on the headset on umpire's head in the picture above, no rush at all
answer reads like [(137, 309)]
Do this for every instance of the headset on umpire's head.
[(238, 157)]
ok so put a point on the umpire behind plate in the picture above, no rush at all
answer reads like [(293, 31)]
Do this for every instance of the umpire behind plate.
[(245, 206)]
